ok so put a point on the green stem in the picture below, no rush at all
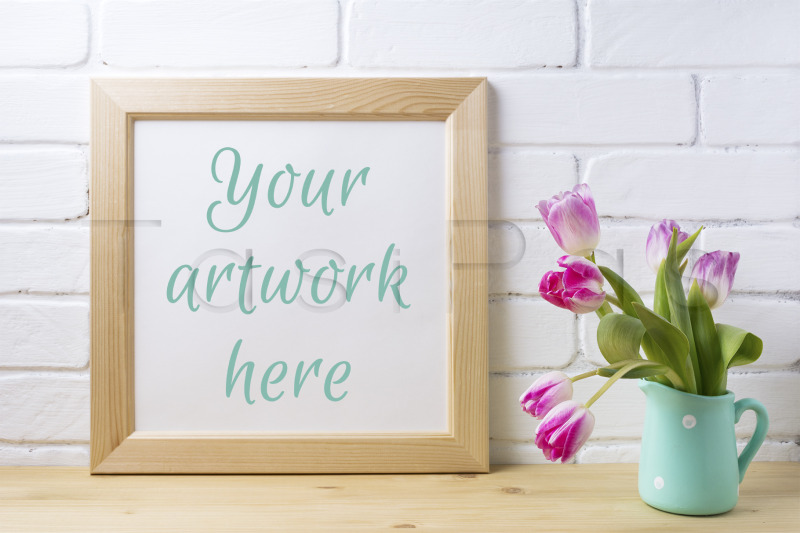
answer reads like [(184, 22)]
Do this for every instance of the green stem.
[(584, 376), (676, 380), (624, 370), (613, 300), (604, 310)]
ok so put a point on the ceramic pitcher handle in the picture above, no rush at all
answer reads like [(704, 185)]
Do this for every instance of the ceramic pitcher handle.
[(762, 424)]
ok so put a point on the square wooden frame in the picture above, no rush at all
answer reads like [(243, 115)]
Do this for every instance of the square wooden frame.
[(116, 104)]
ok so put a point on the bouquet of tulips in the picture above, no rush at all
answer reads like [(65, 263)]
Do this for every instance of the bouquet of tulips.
[(683, 347)]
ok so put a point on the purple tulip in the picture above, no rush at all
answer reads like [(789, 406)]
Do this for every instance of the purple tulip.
[(545, 393), (572, 219), (714, 273), (658, 242), (564, 430), (578, 288)]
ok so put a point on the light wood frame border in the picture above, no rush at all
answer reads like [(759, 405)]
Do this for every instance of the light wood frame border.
[(116, 103)]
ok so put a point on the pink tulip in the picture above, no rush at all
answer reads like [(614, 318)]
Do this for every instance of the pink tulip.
[(545, 393), (571, 217), (578, 288), (564, 430), (714, 273), (658, 242)]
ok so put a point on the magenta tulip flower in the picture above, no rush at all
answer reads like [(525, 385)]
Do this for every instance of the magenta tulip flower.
[(564, 430), (571, 218), (714, 273), (578, 288), (546, 392), (658, 242)]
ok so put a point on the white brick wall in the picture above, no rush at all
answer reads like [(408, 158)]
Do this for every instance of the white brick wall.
[(592, 108), (177, 33), (693, 33), (625, 183), (754, 110), (43, 34), (685, 109), (471, 33), (518, 179), (46, 107), (49, 259), (43, 184), (44, 333)]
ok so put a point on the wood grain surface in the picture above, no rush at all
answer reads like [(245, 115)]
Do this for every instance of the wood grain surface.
[(586, 498)]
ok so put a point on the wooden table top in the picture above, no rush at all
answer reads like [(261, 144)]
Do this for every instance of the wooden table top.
[(585, 498)]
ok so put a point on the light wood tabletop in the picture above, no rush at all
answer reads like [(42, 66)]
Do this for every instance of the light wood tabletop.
[(584, 498)]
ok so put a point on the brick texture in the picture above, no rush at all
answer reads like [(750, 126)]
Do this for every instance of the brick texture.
[(624, 184), (43, 34), (180, 33), (44, 407), (693, 33), (750, 110), (49, 108), (592, 109), (42, 333), (43, 184), (462, 34)]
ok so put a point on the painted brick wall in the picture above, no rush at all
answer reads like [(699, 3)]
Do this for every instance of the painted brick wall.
[(678, 108)]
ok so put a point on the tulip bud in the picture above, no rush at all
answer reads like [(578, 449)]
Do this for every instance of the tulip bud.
[(564, 430), (571, 218), (578, 288), (658, 242), (714, 273), (546, 392)]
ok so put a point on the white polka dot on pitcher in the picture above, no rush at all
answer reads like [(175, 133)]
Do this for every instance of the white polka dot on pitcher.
[(689, 421), (658, 483)]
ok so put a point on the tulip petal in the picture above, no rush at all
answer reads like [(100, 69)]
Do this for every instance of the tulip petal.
[(585, 192), (546, 393), (579, 434), (571, 217), (578, 288), (583, 301), (573, 226), (582, 266), (583, 274), (556, 417), (715, 272), (658, 242), (544, 209), (564, 430), (555, 299)]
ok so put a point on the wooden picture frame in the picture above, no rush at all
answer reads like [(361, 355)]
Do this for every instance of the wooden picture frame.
[(116, 446)]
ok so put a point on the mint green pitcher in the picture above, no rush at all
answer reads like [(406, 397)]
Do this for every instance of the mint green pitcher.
[(689, 463)]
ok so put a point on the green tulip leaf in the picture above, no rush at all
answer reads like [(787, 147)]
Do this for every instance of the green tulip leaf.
[(625, 293), (654, 353), (619, 337), (604, 310), (685, 246), (666, 344), (739, 347), (660, 302), (678, 308), (647, 370), (709, 354)]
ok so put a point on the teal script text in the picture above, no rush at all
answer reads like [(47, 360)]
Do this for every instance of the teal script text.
[(284, 179), (184, 281), (273, 386)]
